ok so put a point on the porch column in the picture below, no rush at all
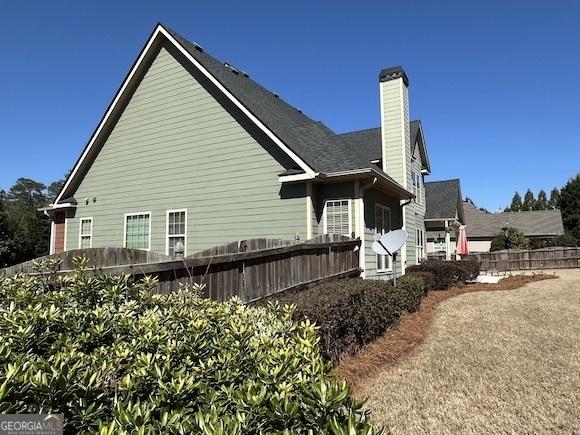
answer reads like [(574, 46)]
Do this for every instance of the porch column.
[(447, 242)]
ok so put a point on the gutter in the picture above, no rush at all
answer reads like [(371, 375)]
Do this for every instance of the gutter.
[(350, 173)]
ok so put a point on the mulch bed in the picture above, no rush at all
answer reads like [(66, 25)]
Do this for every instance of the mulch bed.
[(361, 368)]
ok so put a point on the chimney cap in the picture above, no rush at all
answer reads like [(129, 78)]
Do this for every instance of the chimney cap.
[(392, 73)]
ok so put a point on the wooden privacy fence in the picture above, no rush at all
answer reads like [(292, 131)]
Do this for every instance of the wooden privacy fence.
[(251, 269), (537, 259)]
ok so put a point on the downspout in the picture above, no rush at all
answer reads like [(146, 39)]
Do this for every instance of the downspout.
[(51, 236), (403, 255), (362, 254)]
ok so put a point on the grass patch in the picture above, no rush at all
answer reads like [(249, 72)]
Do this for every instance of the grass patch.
[(361, 368)]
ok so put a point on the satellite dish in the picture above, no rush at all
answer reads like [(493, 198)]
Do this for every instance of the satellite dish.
[(379, 249), (394, 240), (389, 244)]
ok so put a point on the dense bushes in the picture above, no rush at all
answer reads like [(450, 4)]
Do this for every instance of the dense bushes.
[(353, 312), (114, 357), (447, 273)]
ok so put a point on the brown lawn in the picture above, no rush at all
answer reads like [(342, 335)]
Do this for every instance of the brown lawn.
[(488, 362)]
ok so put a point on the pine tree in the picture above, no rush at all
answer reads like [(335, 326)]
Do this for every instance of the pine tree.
[(516, 204), (529, 201), (542, 201), (570, 206), (554, 198)]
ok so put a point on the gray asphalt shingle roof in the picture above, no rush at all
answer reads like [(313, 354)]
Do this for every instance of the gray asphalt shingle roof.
[(315, 143), (531, 223), (443, 198), (369, 141)]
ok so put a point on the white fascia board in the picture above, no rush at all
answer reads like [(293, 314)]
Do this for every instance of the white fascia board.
[(160, 30), (296, 177)]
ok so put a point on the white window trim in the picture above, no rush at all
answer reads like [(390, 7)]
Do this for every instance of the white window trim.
[(125, 227), (390, 268), (81, 231), (324, 215), (179, 210), (419, 248)]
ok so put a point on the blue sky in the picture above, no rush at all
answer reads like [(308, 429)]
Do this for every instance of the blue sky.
[(495, 83)]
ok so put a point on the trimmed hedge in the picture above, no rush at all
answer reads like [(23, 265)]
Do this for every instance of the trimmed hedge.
[(448, 273), (353, 312), (116, 358)]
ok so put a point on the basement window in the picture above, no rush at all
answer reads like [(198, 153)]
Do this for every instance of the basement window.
[(138, 231), (337, 217)]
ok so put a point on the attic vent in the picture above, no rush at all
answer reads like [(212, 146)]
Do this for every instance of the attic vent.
[(245, 74), (197, 46), (231, 68), (299, 111), (276, 95)]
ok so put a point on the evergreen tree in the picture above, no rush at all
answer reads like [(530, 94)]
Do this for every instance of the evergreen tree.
[(529, 201), (570, 205), (7, 251), (554, 198), (30, 229), (516, 204), (542, 201)]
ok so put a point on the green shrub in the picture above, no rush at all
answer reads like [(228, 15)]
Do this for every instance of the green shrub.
[(428, 279), (512, 238), (410, 290), (116, 358), (447, 273), (469, 267), (353, 312)]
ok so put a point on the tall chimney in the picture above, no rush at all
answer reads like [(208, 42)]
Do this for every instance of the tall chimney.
[(394, 92)]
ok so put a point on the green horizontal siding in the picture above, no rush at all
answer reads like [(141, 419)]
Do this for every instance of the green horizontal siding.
[(176, 147)]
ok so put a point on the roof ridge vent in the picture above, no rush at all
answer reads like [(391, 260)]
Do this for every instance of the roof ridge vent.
[(275, 94), (245, 74)]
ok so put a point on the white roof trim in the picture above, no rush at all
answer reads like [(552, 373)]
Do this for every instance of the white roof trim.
[(160, 30)]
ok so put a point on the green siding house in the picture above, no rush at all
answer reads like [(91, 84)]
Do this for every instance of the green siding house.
[(193, 150)]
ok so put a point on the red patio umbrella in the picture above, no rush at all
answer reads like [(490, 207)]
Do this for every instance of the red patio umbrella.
[(462, 241)]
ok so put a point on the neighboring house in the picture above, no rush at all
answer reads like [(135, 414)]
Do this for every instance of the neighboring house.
[(482, 227), (443, 217), (193, 150), (446, 212)]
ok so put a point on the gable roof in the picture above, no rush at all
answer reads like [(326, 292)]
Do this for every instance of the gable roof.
[(532, 223), (443, 200), (314, 147), (369, 141)]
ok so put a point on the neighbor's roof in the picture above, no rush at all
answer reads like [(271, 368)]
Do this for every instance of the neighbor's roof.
[(443, 199), (369, 141), (531, 223)]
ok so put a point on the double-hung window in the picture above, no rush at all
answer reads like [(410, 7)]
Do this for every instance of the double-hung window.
[(382, 226), (86, 233), (138, 230), (420, 245), (176, 229), (337, 217)]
